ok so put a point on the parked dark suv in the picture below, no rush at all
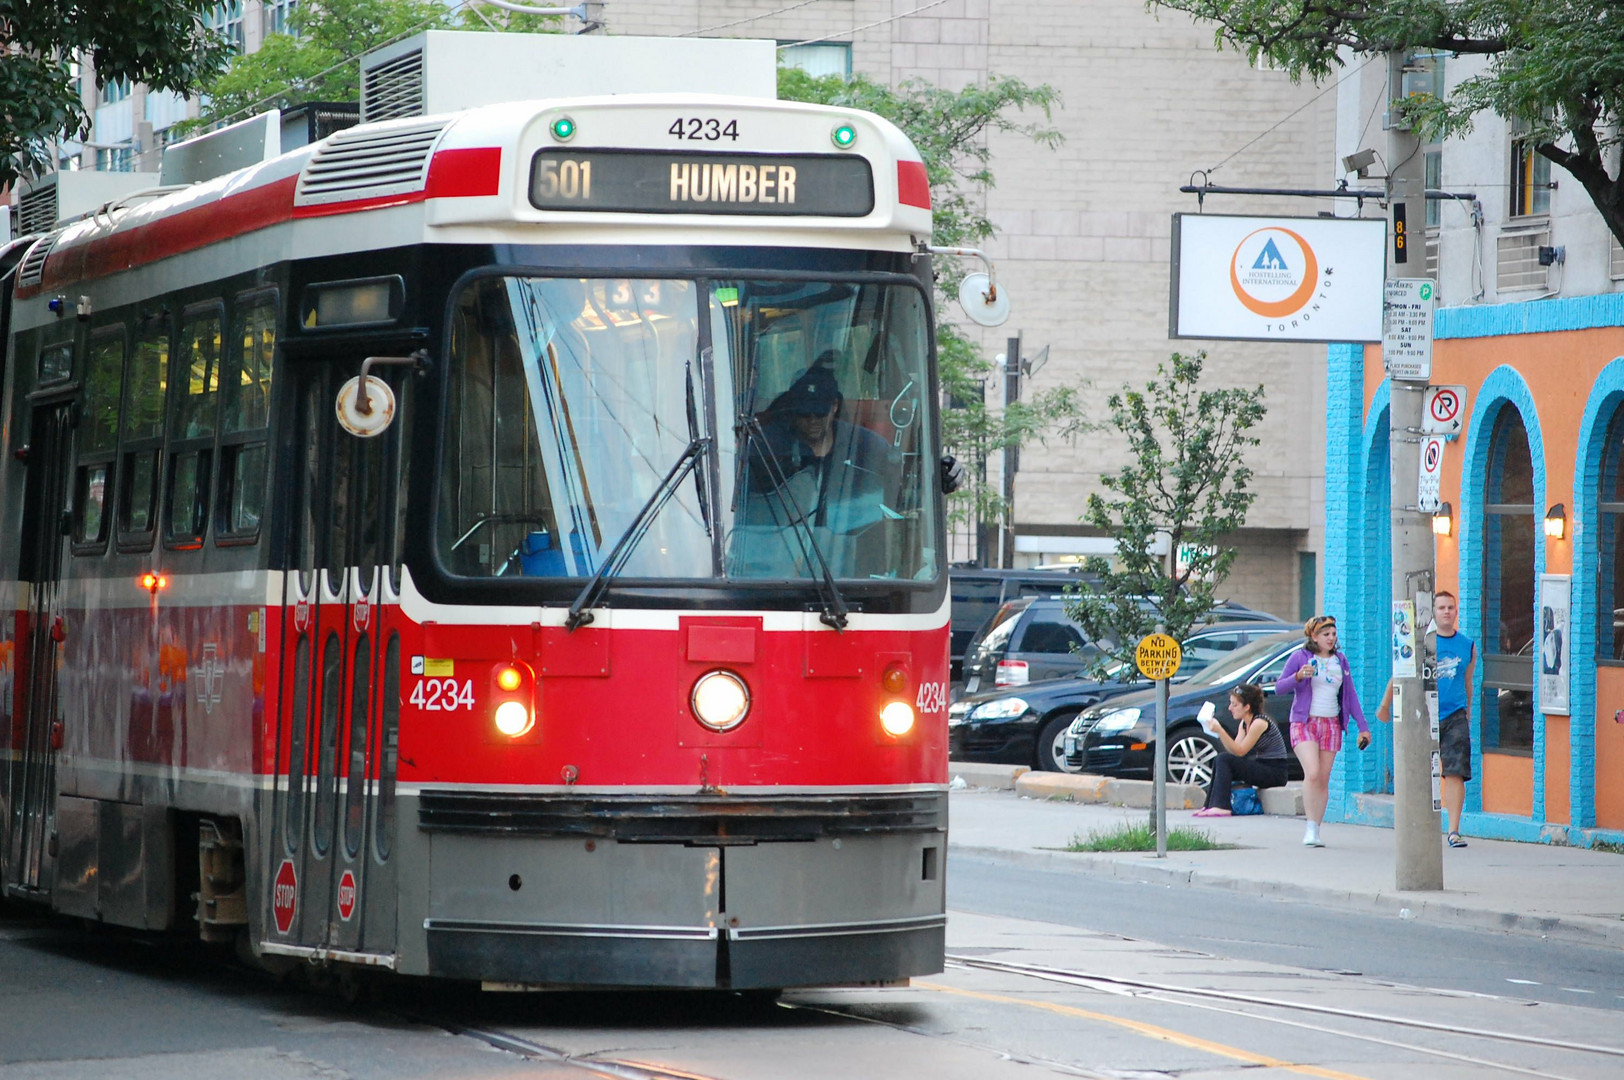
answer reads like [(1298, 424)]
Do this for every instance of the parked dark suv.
[(977, 592), (1032, 638)]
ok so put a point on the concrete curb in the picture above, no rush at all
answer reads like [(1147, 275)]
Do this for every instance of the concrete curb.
[(980, 775), (1088, 788), (1390, 902)]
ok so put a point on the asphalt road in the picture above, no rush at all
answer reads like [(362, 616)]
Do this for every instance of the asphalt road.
[(1292, 932)]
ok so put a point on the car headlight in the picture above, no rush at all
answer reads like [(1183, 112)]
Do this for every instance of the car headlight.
[(1114, 723), (1000, 709), (958, 713)]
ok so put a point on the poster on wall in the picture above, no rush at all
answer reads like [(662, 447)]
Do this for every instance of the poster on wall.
[(1277, 279), (1551, 653)]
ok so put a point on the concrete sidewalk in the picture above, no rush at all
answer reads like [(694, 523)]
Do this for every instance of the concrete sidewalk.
[(1571, 894)]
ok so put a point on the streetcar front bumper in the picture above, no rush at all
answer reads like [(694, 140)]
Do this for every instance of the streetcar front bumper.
[(692, 891)]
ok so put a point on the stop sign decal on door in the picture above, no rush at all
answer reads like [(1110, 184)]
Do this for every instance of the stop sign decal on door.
[(284, 896), (346, 895)]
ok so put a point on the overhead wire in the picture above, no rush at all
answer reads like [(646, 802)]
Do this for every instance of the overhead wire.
[(866, 26), (750, 18), (1273, 127)]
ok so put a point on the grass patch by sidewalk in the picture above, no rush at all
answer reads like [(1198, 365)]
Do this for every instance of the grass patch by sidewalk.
[(1131, 836)]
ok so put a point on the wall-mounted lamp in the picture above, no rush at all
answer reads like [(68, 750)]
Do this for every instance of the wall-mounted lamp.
[(1556, 521), (1442, 523)]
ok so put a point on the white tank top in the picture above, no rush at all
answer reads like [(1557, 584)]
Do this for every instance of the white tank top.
[(1327, 686)]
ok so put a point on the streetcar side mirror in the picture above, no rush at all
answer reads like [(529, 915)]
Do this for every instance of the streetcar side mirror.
[(365, 406)]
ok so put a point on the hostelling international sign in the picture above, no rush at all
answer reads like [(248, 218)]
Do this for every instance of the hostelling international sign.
[(1277, 279)]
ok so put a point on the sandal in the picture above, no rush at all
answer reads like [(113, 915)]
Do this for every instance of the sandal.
[(1455, 840)]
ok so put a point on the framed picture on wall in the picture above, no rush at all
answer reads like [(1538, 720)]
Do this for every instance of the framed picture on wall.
[(1551, 650)]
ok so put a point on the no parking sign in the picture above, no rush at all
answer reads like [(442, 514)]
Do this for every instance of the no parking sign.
[(1432, 469), (1442, 409)]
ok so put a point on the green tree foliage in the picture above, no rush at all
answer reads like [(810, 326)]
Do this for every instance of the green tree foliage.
[(950, 129), (1556, 66), (320, 59), (162, 43), (1188, 480)]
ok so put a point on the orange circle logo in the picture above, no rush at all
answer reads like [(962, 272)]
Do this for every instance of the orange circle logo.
[(1273, 272)]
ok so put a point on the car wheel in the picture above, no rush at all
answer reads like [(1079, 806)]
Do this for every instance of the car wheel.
[(1190, 755), (1051, 756)]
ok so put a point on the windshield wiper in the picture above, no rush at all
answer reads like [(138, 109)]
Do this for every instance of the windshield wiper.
[(688, 462), (835, 611)]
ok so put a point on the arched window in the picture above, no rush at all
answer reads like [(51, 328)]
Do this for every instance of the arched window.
[(1610, 533), (1508, 588)]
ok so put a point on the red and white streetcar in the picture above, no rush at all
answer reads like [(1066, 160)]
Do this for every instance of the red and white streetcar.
[(504, 545)]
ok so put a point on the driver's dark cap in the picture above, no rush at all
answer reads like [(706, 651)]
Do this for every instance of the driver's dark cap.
[(814, 392)]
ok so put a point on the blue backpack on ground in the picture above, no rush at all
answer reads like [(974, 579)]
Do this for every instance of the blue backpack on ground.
[(1245, 800)]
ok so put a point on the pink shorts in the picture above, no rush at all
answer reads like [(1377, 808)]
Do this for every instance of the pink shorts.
[(1324, 731)]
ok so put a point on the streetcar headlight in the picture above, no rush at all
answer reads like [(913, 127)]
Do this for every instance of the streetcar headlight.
[(897, 719), (720, 700), (509, 678), (513, 718)]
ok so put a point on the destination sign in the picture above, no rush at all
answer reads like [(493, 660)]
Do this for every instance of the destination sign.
[(672, 182)]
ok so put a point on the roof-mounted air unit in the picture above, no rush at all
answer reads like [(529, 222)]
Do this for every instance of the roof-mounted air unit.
[(446, 70), (46, 202)]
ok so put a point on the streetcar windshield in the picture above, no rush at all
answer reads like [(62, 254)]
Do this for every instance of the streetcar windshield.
[(799, 412)]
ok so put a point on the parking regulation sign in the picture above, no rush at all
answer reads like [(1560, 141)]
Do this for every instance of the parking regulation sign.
[(1158, 656), (1441, 410), (1432, 469)]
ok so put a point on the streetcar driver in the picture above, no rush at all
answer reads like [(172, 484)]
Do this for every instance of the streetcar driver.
[(807, 461)]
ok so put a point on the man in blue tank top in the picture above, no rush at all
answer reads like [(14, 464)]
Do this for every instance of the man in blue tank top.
[(1457, 655)]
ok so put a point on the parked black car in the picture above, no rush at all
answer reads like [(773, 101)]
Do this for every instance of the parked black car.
[(1118, 737), (1026, 725), (978, 592), (1033, 638)]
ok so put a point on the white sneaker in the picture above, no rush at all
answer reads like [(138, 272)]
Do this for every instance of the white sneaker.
[(1311, 838)]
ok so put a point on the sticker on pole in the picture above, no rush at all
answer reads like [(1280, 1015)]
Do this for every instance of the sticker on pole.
[(346, 895), (1441, 410), (1431, 475), (1158, 656), (284, 896)]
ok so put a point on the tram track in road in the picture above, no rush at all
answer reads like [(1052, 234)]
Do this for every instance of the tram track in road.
[(1234, 1003), (607, 1068)]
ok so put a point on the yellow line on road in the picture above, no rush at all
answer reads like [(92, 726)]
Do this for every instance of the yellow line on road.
[(1178, 1038)]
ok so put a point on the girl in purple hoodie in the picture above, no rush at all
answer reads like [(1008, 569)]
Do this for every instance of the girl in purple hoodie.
[(1321, 684)]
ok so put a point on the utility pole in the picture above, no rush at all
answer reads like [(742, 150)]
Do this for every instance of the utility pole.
[(1012, 454), (1417, 843)]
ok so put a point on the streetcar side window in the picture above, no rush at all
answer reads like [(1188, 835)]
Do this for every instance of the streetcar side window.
[(98, 442), (245, 410), (191, 448), (141, 435)]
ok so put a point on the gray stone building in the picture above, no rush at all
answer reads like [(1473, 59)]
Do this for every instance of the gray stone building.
[(1083, 243)]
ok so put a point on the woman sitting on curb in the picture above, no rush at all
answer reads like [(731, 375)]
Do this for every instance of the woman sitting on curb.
[(1321, 684), (1256, 755)]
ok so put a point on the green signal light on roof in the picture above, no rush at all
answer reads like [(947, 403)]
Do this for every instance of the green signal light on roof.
[(844, 136), (563, 129)]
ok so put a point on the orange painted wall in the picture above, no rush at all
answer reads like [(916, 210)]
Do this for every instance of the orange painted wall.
[(1609, 749), (1560, 369), (1508, 784)]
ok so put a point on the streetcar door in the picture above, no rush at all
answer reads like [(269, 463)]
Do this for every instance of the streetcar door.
[(343, 697), (33, 770)]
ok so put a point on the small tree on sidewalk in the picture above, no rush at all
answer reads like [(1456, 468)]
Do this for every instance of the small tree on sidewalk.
[(1188, 481)]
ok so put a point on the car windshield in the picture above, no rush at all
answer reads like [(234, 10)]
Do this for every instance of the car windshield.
[(1229, 668), (806, 404)]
